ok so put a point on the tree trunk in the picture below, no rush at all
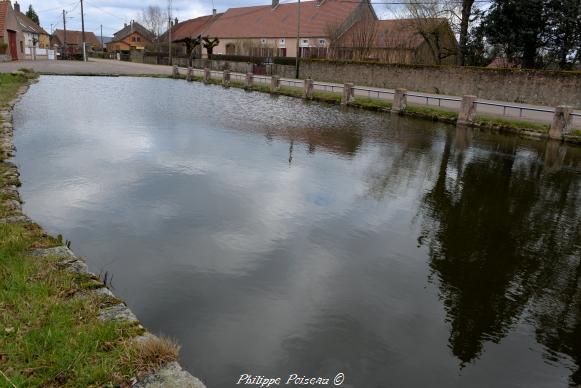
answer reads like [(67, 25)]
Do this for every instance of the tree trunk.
[(466, 12)]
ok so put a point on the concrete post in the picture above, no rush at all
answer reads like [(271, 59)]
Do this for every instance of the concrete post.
[(348, 94), (226, 79), (561, 122), (207, 75), (467, 110), (189, 77), (400, 100), (274, 83), (249, 81), (176, 72), (308, 89)]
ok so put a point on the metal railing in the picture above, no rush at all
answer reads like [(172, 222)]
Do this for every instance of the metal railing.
[(328, 87), (509, 106), (379, 93), (438, 98)]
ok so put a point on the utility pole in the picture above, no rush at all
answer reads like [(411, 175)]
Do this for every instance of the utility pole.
[(102, 44), (170, 27), (83, 32), (65, 28), (298, 39)]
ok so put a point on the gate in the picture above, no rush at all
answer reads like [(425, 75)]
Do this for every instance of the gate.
[(12, 45), (259, 69)]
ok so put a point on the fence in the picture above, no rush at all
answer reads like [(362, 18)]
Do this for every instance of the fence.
[(466, 106)]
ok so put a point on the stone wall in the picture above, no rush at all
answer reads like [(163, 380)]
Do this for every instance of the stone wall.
[(237, 67), (511, 85)]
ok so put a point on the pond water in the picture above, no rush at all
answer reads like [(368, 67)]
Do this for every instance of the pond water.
[(272, 236)]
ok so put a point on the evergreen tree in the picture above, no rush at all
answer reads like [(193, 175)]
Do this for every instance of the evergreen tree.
[(519, 27), (31, 13)]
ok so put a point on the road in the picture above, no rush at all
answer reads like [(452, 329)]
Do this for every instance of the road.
[(535, 113)]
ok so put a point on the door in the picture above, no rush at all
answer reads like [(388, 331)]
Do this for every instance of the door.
[(12, 45)]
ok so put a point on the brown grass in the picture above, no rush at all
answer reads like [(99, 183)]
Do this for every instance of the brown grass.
[(152, 352)]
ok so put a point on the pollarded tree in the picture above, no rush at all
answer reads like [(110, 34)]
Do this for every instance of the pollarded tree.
[(191, 44), (209, 45)]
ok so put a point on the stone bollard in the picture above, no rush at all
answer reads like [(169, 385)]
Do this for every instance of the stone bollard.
[(348, 94), (207, 75), (189, 77), (561, 122), (274, 83), (400, 100), (467, 110), (176, 72), (308, 89), (249, 81), (226, 78)]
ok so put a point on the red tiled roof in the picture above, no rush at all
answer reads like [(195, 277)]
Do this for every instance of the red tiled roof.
[(3, 11), (265, 22), (76, 37), (28, 25), (193, 27)]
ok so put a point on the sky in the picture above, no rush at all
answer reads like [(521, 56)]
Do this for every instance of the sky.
[(112, 14)]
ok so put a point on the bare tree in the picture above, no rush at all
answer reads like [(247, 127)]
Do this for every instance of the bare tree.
[(429, 18), (334, 32), (363, 37), (209, 45), (155, 20), (357, 43)]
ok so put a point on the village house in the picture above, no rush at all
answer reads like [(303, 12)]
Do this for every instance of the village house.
[(36, 39), (132, 36), (271, 30), (334, 29), (73, 45), (11, 36)]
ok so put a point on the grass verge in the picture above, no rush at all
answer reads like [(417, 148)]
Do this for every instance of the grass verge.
[(371, 103), (437, 114), (496, 122)]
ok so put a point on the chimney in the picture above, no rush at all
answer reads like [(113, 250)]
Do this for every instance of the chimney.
[(214, 12), (17, 7), (274, 4), (176, 22)]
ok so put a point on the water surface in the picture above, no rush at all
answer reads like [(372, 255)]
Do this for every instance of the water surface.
[(272, 236)]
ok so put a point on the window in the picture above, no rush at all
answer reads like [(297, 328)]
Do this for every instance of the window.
[(262, 41), (281, 43), (304, 43), (322, 42), (139, 39)]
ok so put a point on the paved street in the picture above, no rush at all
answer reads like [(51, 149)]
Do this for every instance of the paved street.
[(541, 114)]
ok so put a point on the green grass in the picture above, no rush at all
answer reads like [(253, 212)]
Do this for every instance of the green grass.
[(9, 85), (576, 132), (48, 336), (371, 103), (331, 97), (264, 88), (290, 91), (433, 113), (511, 123)]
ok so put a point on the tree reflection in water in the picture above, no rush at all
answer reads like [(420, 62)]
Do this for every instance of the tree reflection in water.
[(503, 228)]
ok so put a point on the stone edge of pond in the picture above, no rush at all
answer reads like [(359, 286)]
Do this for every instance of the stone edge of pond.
[(169, 375)]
